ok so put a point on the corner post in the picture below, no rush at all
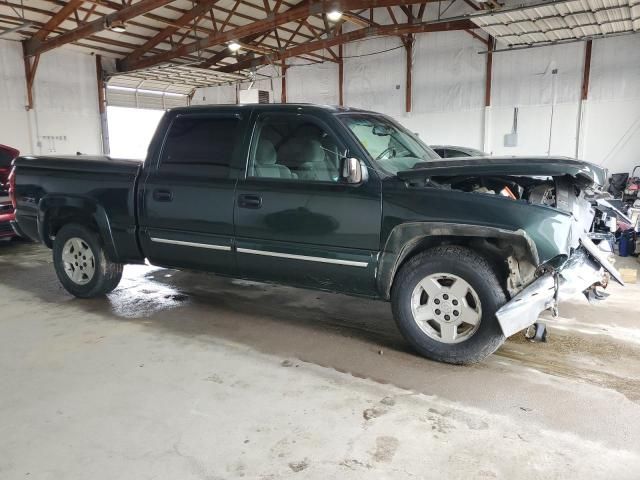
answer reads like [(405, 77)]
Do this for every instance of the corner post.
[(486, 143), (102, 106), (408, 45), (283, 93), (30, 68), (584, 96)]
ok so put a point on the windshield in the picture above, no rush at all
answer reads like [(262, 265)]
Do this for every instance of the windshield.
[(392, 146)]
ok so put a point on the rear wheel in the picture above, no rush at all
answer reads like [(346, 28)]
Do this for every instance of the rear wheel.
[(81, 265), (444, 301)]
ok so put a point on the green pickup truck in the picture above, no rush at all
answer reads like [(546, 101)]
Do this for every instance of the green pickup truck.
[(469, 251)]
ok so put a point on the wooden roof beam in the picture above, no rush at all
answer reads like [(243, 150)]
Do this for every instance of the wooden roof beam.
[(305, 48), (312, 7), (59, 17), (34, 46), (201, 8)]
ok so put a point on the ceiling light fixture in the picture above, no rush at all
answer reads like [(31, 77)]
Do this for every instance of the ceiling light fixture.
[(334, 15), (117, 26), (234, 46)]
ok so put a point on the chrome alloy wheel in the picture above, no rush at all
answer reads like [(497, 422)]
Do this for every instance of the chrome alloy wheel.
[(446, 308), (79, 261)]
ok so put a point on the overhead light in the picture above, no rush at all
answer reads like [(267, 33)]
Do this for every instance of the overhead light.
[(334, 15), (117, 26), (234, 46)]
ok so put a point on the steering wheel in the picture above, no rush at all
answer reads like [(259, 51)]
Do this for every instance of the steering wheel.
[(384, 152)]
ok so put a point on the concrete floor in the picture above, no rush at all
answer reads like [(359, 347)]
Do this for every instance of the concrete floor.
[(182, 375)]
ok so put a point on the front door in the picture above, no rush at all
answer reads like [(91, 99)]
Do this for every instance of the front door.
[(187, 198), (296, 220)]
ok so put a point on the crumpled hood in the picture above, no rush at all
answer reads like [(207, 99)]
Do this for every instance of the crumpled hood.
[(584, 172)]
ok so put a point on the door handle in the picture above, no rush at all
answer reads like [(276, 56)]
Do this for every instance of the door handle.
[(249, 201), (162, 195)]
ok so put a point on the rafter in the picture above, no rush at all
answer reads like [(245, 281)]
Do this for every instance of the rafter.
[(35, 47), (201, 8), (59, 17), (110, 4), (291, 15), (98, 43), (305, 48), (230, 15)]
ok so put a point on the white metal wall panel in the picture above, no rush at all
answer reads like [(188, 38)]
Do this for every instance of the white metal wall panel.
[(225, 94), (375, 82), (448, 72), (65, 119), (313, 83), (615, 68), (528, 78), (14, 124)]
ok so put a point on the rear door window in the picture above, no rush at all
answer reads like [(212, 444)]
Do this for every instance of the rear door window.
[(201, 145)]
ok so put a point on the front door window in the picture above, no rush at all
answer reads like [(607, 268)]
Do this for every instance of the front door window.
[(294, 147)]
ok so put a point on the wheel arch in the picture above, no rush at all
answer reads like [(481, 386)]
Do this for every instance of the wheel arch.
[(495, 244), (55, 211)]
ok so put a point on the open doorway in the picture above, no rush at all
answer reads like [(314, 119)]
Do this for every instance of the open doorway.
[(130, 130)]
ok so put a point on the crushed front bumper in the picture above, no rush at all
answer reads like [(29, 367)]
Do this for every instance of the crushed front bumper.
[(586, 268)]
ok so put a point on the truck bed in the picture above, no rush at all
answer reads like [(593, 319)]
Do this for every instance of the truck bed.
[(99, 186)]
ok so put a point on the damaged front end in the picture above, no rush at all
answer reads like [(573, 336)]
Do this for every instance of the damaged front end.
[(582, 273), (555, 202)]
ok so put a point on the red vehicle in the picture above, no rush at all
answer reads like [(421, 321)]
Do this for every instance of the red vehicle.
[(7, 209), (632, 190)]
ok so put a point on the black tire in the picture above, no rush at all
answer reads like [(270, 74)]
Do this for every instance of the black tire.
[(479, 274), (107, 274)]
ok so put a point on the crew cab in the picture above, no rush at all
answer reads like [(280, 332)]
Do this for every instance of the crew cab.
[(469, 251)]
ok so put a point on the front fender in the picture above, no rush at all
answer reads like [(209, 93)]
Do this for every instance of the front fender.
[(406, 237)]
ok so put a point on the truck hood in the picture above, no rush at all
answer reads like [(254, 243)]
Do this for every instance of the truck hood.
[(584, 172)]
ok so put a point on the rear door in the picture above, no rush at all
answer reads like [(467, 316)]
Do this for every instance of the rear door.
[(187, 197), (296, 221)]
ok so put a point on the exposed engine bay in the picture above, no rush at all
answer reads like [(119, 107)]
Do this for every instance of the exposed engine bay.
[(565, 193), (549, 191)]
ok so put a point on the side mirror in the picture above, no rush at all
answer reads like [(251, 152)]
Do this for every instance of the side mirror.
[(354, 171)]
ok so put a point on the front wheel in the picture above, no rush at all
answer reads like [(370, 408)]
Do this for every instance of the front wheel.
[(81, 265), (444, 301)]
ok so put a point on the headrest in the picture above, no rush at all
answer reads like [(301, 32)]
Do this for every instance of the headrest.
[(301, 150), (266, 152)]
